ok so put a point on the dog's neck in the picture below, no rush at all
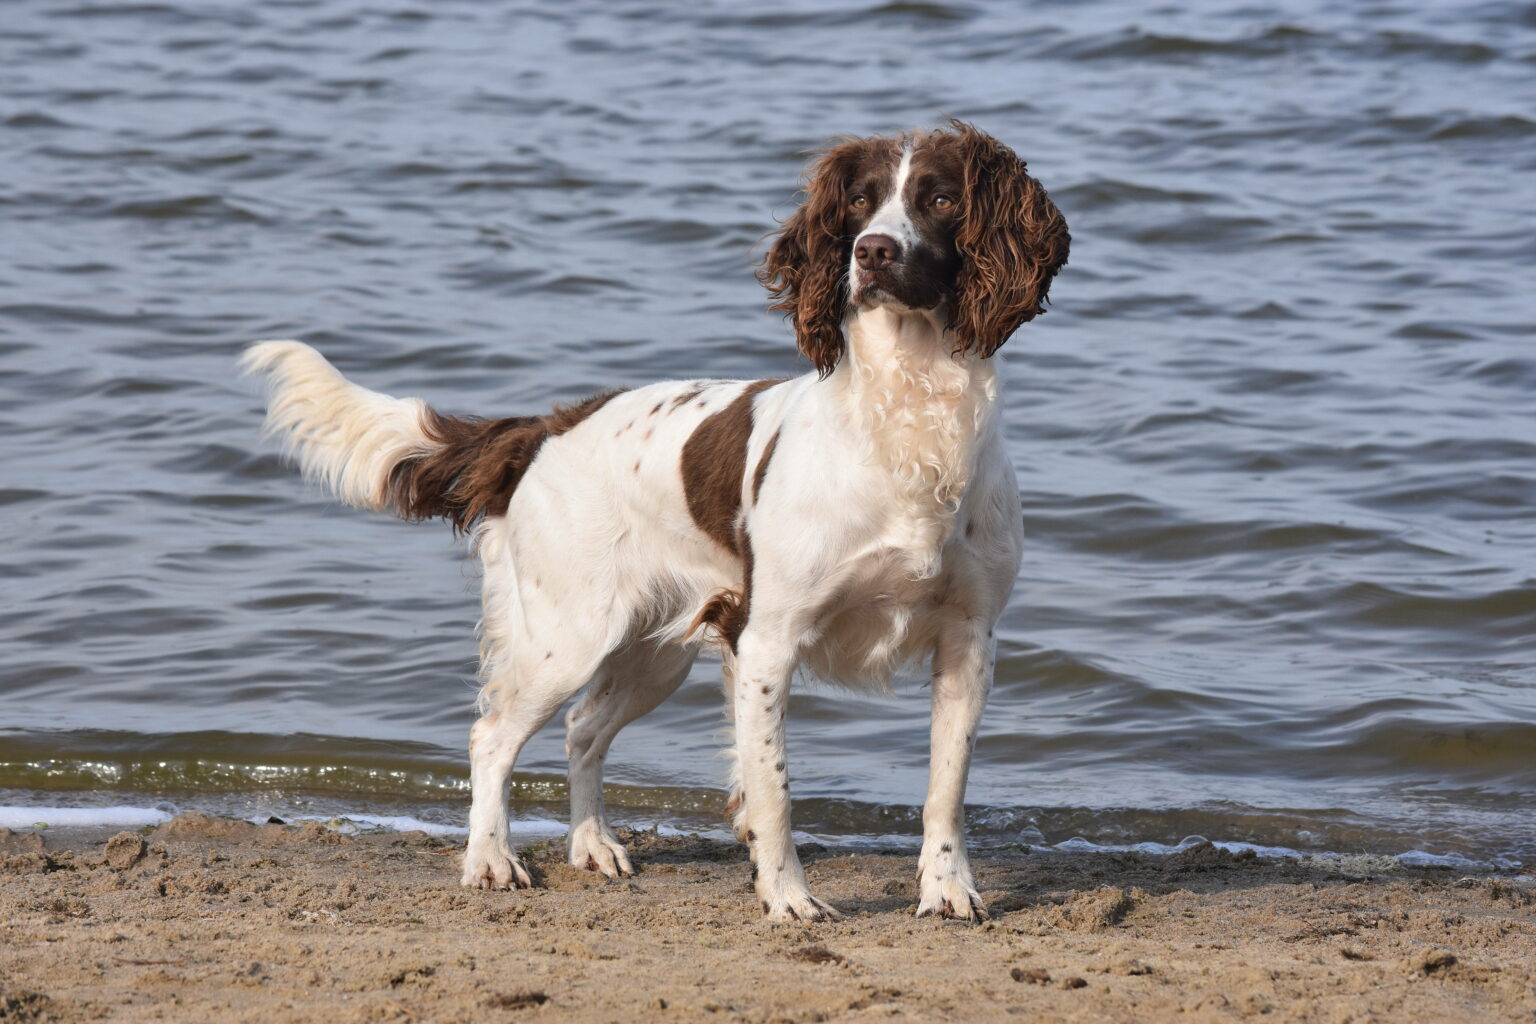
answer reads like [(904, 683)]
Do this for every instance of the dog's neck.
[(918, 407)]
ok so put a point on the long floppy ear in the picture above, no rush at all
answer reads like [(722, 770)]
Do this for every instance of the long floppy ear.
[(1012, 240), (806, 269)]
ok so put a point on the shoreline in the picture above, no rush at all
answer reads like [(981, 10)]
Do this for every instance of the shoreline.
[(539, 824), (207, 918)]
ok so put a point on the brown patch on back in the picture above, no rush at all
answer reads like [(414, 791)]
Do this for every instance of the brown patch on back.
[(762, 466), (477, 463), (715, 463)]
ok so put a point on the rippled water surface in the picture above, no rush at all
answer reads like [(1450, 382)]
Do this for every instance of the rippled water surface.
[(1275, 437)]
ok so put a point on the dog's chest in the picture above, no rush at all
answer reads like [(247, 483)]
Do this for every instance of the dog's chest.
[(883, 617)]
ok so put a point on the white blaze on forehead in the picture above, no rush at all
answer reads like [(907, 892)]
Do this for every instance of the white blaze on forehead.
[(893, 218)]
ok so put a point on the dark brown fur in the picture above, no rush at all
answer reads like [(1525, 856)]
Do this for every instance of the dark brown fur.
[(478, 463), (1009, 237), (1012, 241), (714, 465), (762, 466), (806, 270), (687, 396), (726, 611)]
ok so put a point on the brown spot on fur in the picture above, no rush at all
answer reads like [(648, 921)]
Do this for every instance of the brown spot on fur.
[(751, 836), (687, 396), (762, 465), (657, 407), (714, 464), (477, 463)]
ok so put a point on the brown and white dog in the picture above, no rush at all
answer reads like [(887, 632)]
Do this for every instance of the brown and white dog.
[(850, 521)]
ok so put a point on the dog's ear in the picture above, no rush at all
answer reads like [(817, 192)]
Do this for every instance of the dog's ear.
[(806, 269), (1011, 240)]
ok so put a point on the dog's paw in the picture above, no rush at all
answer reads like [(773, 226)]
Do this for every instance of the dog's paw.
[(947, 889), (797, 906), (593, 847), (490, 868)]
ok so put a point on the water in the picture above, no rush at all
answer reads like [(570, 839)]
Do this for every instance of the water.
[(1275, 436)]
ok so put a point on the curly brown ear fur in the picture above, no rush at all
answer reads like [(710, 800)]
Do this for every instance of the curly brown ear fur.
[(806, 270), (1012, 240)]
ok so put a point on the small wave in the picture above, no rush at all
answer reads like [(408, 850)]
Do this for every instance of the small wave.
[(33, 119), (1135, 43), (1206, 231), (189, 207), (1107, 193), (657, 230), (809, 17)]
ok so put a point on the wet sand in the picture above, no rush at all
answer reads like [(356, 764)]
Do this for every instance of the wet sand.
[(208, 919)]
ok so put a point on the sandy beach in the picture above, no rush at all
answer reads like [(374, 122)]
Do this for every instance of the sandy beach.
[(207, 919)]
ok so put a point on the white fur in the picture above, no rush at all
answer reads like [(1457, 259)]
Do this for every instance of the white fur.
[(344, 436), (887, 531), (893, 218)]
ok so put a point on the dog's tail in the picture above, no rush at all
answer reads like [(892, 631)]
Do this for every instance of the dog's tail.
[(398, 454), (345, 436)]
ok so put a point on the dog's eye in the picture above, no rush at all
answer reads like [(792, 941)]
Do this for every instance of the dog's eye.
[(860, 202), (942, 202)]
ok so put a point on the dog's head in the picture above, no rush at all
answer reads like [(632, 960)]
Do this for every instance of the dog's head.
[(947, 220)]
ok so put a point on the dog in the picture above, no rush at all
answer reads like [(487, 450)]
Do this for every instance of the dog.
[(849, 522)]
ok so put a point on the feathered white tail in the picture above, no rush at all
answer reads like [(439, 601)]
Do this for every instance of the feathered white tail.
[(344, 435)]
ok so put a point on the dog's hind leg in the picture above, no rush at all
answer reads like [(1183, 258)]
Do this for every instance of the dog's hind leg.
[(632, 682), (528, 687)]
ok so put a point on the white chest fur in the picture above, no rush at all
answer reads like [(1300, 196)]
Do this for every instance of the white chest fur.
[(919, 411), (920, 416)]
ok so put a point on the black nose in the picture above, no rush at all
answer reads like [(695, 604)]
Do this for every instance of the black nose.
[(876, 252)]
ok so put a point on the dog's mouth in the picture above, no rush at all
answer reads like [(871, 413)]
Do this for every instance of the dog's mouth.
[(872, 288), (869, 286)]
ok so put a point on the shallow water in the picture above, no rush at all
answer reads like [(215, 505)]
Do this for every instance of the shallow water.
[(1275, 436)]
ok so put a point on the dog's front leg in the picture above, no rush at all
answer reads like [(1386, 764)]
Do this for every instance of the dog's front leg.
[(765, 664), (962, 677)]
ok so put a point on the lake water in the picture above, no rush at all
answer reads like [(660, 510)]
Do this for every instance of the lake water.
[(1276, 437)]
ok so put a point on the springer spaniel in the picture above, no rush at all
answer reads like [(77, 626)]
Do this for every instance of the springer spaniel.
[(849, 521)]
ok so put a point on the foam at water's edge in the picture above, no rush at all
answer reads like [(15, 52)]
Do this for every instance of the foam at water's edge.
[(527, 829), (81, 817), (1408, 858)]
